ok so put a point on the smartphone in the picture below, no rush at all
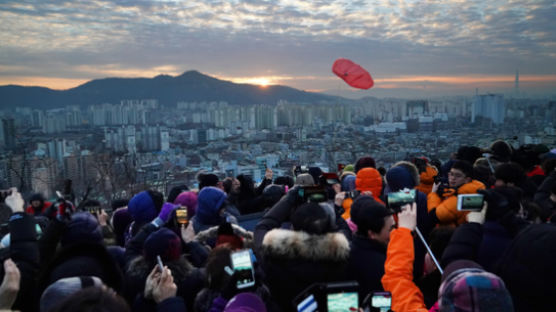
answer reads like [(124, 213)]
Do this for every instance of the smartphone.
[(378, 301), (243, 267), (403, 197), (341, 297), (160, 265), (181, 215), (470, 202)]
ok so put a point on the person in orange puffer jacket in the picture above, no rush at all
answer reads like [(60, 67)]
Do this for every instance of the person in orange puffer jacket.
[(460, 182), (427, 179), (366, 180)]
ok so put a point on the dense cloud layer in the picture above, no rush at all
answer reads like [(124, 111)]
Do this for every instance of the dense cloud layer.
[(295, 42)]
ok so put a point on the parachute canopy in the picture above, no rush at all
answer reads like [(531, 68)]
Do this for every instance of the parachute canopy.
[(353, 74)]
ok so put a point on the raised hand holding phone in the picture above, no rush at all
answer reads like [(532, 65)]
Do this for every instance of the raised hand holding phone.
[(407, 218)]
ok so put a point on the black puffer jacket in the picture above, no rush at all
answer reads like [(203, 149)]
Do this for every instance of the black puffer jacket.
[(293, 260)]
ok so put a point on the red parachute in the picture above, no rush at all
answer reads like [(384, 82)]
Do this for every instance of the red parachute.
[(353, 74)]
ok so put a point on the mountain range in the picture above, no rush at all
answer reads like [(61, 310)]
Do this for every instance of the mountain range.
[(188, 87)]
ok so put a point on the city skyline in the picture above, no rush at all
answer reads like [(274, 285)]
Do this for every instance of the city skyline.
[(410, 47)]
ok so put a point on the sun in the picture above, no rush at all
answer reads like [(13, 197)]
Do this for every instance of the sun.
[(261, 81)]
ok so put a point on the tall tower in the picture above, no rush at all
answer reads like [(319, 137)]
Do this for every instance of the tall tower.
[(516, 82)]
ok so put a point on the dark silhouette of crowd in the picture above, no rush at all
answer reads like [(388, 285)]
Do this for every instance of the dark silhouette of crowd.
[(304, 232)]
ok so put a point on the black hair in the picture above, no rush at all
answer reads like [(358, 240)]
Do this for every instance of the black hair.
[(227, 183), (510, 173), (548, 165), (175, 191), (157, 198), (469, 153), (311, 218), (464, 167), (368, 214), (93, 299), (284, 180), (217, 260), (118, 203)]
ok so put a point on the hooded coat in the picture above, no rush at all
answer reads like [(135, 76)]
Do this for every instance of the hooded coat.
[(209, 203), (293, 260), (367, 179)]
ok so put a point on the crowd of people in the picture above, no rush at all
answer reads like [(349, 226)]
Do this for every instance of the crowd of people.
[(173, 252)]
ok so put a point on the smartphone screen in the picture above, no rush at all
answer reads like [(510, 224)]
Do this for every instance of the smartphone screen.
[(181, 215), (470, 202), (241, 261), (341, 302), (381, 301), (403, 197)]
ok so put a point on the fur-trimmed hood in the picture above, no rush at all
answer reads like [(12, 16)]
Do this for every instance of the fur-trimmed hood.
[(296, 244), (210, 235)]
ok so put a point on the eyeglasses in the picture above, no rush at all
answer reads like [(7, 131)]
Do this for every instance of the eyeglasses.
[(456, 175)]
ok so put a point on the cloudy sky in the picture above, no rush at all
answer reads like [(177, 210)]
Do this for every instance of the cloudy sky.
[(410, 47)]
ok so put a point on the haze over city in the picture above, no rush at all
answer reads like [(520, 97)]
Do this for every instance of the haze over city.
[(411, 48)]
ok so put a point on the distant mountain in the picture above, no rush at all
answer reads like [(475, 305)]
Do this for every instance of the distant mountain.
[(190, 86)]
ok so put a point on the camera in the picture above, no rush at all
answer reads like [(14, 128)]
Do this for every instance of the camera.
[(311, 194), (397, 199)]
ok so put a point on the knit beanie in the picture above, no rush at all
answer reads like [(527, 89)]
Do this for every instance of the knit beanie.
[(65, 287), (399, 178), (164, 243), (83, 227), (245, 302), (304, 179), (209, 203), (467, 287), (188, 199), (311, 218), (348, 183)]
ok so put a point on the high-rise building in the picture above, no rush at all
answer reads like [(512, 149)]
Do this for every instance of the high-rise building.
[(489, 106), (8, 127), (54, 122)]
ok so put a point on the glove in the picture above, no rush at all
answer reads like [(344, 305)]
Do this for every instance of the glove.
[(166, 211)]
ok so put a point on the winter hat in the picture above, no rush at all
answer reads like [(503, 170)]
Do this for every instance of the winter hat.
[(349, 168), (188, 199), (364, 162), (368, 214), (83, 227), (399, 178), (304, 179), (368, 179), (164, 243), (207, 179), (36, 196), (311, 218), (209, 203), (245, 302), (348, 183), (470, 288), (65, 287), (142, 208)]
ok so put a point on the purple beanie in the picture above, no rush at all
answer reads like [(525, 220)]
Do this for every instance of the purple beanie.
[(164, 243), (82, 228), (188, 199), (245, 302)]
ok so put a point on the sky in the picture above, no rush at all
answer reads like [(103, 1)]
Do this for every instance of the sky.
[(411, 48)]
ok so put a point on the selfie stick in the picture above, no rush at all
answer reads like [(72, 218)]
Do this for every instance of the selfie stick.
[(429, 250)]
